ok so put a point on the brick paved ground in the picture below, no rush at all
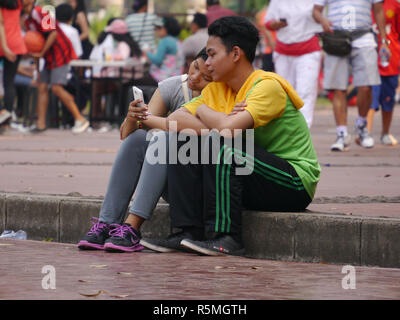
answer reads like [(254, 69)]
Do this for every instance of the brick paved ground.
[(358, 182), (80, 274)]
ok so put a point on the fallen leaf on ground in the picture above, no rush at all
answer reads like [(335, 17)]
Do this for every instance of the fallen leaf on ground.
[(98, 266), (6, 244), (119, 295), (125, 273), (91, 294), (256, 267)]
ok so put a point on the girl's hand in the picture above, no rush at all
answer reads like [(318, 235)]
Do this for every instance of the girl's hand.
[(10, 56), (137, 113)]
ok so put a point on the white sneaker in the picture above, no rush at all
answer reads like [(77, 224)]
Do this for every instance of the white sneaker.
[(388, 140), (364, 139), (342, 142), (4, 116), (80, 126)]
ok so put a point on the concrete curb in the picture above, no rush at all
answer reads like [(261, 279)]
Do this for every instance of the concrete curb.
[(288, 236)]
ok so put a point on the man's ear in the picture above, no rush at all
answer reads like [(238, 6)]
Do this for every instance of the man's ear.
[(237, 53)]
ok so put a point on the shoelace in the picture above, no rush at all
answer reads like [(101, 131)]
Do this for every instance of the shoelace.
[(98, 226), (121, 230)]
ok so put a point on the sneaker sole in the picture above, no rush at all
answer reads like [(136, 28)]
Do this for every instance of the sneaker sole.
[(190, 245), (85, 245), (110, 247), (358, 141), (208, 252), (155, 247), (83, 128), (339, 150)]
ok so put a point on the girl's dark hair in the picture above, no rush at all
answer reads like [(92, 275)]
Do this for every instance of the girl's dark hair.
[(80, 6), (236, 31), (126, 37), (9, 4), (202, 54), (172, 25), (102, 36)]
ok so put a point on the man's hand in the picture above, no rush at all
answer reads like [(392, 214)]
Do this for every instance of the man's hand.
[(319, 17), (326, 25), (238, 108), (385, 48), (278, 24)]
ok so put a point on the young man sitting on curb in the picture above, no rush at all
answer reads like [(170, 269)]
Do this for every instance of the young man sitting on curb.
[(284, 170)]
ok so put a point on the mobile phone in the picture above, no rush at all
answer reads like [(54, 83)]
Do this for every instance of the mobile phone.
[(283, 20), (138, 94)]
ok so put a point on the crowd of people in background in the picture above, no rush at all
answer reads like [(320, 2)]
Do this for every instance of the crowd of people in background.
[(290, 46)]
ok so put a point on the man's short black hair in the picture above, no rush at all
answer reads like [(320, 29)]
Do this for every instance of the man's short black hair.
[(64, 12), (138, 4), (236, 31), (200, 19)]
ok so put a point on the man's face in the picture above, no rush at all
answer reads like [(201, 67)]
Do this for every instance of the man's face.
[(219, 63)]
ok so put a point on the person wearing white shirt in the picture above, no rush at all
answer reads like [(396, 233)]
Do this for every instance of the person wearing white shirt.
[(297, 55), (64, 15)]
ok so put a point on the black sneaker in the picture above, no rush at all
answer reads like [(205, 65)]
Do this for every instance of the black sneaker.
[(123, 238), (170, 244), (223, 244), (96, 237)]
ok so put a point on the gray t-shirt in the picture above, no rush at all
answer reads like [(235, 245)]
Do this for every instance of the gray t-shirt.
[(172, 93)]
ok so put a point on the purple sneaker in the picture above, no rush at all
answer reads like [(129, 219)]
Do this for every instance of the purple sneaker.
[(123, 238), (96, 237)]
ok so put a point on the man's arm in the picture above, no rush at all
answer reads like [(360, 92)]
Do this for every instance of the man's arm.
[(319, 17), (380, 19), (51, 38), (220, 121)]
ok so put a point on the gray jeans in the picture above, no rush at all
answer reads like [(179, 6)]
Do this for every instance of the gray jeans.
[(132, 173)]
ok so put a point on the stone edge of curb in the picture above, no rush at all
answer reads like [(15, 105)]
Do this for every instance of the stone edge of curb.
[(308, 236)]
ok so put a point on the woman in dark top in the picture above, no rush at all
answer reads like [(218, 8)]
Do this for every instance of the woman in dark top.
[(80, 22)]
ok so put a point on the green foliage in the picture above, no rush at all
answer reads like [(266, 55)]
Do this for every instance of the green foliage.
[(251, 6)]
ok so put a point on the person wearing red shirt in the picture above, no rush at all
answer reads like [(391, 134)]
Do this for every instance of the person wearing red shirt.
[(12, 47), (215, 11), (384, 94), (57, 53)]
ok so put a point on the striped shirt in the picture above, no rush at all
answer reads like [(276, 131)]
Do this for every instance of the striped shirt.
[(351, 15), (61, 52), (141, 27)]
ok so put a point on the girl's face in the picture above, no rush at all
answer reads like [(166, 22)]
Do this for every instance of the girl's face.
[(199, 76), (161, 32)]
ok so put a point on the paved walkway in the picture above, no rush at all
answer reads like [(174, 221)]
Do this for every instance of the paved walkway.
[(357, 182), (100, 275)]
